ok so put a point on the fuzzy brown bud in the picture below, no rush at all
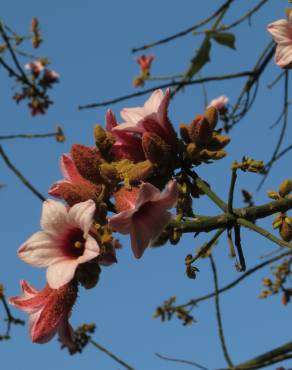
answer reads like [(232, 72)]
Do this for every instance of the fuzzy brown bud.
[(211, 115), (285, 187), (156, 149), (286, 231), (184, 132), (200, 131)]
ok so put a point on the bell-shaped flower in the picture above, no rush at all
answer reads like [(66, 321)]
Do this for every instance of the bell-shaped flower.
[(219, 103), (64, 243), (281, 32), (128, 145), (143, 213), (151, 117), (74, 188), (49, 311), (145, 62)]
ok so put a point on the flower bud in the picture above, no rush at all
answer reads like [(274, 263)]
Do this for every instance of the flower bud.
[(184, 132), (156, 149), (200, 131), (87, 160), (285, 187), (211, 115), (103, 139), (286, 231)]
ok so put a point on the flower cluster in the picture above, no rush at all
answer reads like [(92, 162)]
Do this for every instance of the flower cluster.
[(126, 183)]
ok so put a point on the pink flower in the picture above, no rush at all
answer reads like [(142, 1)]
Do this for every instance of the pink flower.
[(128, 145), (74, 188), (35, 67), (281, 32), (49, 311), (152, 117), (64, 242), (145, 62), (143, 213), (219, 103), (50, 77)]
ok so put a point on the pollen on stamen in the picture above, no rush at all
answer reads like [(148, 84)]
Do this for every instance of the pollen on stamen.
[(78, 244)]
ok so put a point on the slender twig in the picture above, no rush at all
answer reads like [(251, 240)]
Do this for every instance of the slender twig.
[(27, 136), (237, 241), (181, 361), (263, 232), (206, 247), (284, 151), (20, 175), (276, 80), (231, 190), (110, 354), (10, 319), (184, 32), (245, 16), (230, 243), (164, 86), (235, 282), (218, 315), (283, 130)]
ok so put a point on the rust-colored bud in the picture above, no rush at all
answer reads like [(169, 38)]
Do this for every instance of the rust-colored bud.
[(184, 132), (218, 142), (156, 149), (285, 298), (60, 137), (211, 115), (286, 231), (34, 24), (200, 131), (87, 160), (192, 151), (273, 194), (285, 187), (103, 139), (138, 81), (88, 274)]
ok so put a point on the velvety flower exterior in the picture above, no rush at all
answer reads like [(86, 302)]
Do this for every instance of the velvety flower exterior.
[(145, 62), (152, 117), (74, 188), (219, 103), (64, 242), (281, 32), (143, 213), (49, 311)]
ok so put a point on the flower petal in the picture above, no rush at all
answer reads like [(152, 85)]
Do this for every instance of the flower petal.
[(54, 217), (91, 250), (40, 250), (122, 221), (60, 273), (81, 214)]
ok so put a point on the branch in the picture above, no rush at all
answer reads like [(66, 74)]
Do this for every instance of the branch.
[(218, 315), (10, 319), (184, 32), (110, 354), (282, 133), (164, 86), (192, 363), (20, 175)]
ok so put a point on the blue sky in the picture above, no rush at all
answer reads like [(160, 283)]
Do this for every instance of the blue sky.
[(89, 44)]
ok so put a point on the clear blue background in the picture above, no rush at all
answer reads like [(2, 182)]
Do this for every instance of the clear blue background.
[(89, 43)]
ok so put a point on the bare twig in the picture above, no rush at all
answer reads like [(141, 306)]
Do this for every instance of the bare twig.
[(184, 32), (20, 175), (164, 86), (283, 130), (110, 354), (181, 361), (218, 315)]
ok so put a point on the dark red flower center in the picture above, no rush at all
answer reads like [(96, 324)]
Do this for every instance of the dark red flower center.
[(73, 243)]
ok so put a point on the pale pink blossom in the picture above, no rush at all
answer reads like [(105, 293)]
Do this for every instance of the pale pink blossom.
[(64, 243), (50, 77), (49, 311), (281, 32), (128, 145), (143, 214), (152, 117), (219, 103), (35, 67), (145, 62)]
